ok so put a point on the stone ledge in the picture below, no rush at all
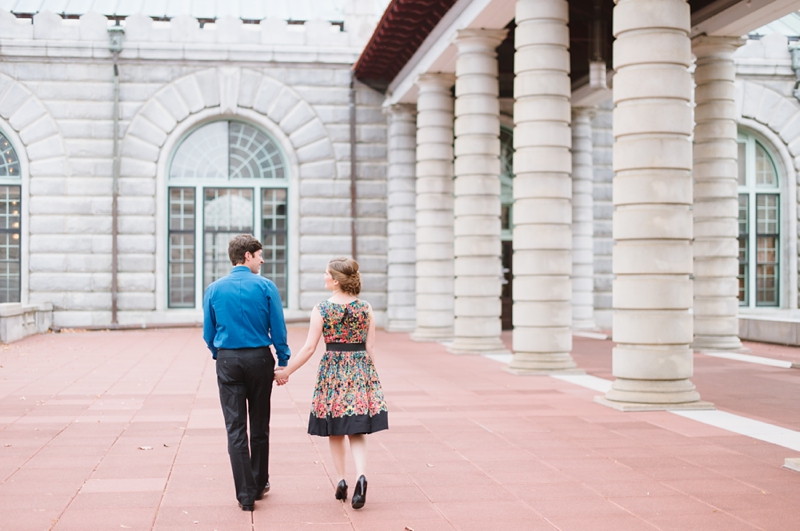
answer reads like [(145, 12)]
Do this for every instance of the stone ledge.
[(18, 320), (630, 406), (792, 463), (783, 330)]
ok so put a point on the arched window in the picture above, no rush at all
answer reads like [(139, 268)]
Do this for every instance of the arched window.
[(225, 178), (10, 222), (759, 225)]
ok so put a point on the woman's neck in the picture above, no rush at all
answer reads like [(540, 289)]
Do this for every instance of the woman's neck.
[(340, 297)]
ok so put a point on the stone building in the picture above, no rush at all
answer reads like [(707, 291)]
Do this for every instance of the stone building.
[(138, 137), (585, 165)]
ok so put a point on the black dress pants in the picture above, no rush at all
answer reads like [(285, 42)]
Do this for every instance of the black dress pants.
[(245, 379)]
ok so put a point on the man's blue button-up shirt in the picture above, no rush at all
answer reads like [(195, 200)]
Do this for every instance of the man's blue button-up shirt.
[(244, 310)]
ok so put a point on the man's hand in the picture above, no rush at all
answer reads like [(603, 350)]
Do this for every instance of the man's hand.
[(281, 378)]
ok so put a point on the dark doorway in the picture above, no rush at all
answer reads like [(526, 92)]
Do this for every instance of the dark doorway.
[(508, 276)]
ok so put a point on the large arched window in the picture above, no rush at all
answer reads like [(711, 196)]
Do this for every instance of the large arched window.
[(225, 178), (10, 221), (759, 225)]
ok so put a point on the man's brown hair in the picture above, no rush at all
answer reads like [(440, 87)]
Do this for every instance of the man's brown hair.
[(241, 244)]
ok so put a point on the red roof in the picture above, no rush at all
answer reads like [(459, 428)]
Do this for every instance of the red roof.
[(404, 26)]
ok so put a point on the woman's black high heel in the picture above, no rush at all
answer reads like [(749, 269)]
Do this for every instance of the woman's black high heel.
[(360, 493), (341, 490)]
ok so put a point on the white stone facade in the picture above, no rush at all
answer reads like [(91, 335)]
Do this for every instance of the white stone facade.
[(293, 82)]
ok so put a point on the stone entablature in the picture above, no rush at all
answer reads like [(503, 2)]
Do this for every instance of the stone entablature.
[(180, 38)]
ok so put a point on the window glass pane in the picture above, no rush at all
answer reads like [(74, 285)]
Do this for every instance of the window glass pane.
[(181, 271), (767, 214), (743, 217), (744, 279), (228, 209), (9, 243), (742, 162), (181, 252), (253, 155), (765, 173), (226, 213), (203, 155), (9, 167), (273, 237)]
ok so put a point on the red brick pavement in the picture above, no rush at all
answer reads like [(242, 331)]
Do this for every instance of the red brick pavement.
[(123, 430)]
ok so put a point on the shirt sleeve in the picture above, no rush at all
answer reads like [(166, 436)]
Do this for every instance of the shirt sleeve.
[(277, 325), (209, 323)]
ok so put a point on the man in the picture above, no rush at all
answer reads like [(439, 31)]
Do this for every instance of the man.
[(242, 317)]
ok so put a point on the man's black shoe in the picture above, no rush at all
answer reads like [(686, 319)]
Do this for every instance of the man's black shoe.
[(260, 495), (250, 507)]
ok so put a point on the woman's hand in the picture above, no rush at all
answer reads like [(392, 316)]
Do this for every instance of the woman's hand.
[(281, 376)]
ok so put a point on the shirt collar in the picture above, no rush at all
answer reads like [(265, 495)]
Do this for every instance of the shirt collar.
[(241, 269)]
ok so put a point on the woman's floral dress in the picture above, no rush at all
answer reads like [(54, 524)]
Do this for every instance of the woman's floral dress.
[(348, 398)]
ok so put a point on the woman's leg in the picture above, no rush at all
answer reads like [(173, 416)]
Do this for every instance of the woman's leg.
[(358, 446), (338, 453)]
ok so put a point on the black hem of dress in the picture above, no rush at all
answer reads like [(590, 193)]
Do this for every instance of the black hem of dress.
[(347, 425)]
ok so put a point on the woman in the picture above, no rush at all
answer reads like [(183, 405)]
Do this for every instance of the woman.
[(348, 399)]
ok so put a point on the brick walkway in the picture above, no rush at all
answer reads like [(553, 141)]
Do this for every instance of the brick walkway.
[(123, 430)]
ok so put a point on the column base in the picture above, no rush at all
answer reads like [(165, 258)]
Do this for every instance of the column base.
[(400, 326), (729, 343), (633, 406), (479, 345), (651, 395), (535, 363), (423, 335)]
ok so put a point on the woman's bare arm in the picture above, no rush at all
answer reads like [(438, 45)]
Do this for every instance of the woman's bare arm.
[(371, 335), (305, 353)]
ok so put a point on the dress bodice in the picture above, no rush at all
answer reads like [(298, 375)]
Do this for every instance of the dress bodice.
[(344, 323)]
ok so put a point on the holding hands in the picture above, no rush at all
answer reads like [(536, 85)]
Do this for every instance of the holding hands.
[(281, 376)]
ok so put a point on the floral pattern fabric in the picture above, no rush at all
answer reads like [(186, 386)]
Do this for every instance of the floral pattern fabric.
[(348, 397)]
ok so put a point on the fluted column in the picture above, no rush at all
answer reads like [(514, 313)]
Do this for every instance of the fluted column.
[(542, 189), (582, 221), (434, 202), (652, 222), (477, 247), (716, 207), (401, 218)]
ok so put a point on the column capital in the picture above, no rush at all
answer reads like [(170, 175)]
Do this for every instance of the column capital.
[(479, 39), (436, 80), (581, 112), (400, 109), (704, 45)]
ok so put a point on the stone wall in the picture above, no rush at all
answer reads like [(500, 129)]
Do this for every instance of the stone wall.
[(56, 98)]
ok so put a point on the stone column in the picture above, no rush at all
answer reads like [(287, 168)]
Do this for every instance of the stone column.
[(652, 222), (582, 221), (401, 224), (716, 207), (434, 216), (477, 247), (542, 189)]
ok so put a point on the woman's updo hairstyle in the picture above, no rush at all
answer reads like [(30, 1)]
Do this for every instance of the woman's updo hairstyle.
[(345, 271)]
